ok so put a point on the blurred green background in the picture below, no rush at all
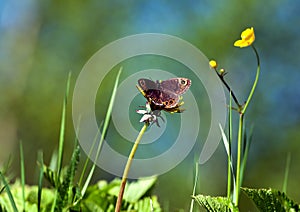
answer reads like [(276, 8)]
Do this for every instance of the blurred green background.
[(41, 41)]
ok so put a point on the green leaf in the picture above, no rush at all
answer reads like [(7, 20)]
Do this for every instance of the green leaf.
[(134, 190), (271, 200), (215, 204), (97, 198)]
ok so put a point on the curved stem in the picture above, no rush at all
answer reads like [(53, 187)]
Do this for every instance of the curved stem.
[(255, 81), (127, 167)]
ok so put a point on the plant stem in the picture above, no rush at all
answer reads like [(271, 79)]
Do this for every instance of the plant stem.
[(127, 167), (221, 76), (229, 161), (240, 132), (255, 81), (238, 163)]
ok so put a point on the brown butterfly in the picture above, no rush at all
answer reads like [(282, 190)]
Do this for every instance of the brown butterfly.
[(164, 95)]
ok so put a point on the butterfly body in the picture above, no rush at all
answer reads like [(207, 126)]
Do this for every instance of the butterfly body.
[(164, 95)]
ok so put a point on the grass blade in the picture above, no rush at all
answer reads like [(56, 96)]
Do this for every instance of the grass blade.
[(89, 155), (226, 144), (10, 196), (195, 185), (61, 141), (104, 130), (62, 128), (40, 182), (22, 175)]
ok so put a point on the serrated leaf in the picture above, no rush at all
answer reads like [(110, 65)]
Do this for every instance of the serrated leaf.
[(215, 204), (271, 200)]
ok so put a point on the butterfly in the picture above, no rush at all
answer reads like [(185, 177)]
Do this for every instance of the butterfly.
[(166, 94)]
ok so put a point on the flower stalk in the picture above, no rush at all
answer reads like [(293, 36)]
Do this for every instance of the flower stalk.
[(247, 39), (255, 81), (127, 167)]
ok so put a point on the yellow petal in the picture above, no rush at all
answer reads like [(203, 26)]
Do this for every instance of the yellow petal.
[(247, 38), (239, 43)]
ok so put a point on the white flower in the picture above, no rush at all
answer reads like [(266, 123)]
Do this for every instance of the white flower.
[(149, 115)]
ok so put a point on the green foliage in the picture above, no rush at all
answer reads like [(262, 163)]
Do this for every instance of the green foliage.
[(99, 197), (66, 195), (102, 196), (216, 204), (31, 200), (271, 200)]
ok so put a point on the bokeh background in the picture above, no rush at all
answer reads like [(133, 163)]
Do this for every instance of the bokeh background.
[(41, 41)]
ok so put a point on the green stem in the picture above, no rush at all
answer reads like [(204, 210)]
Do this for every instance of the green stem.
[(229, 154), (238, 163), (240, 132), (127, 167), (255, 81)]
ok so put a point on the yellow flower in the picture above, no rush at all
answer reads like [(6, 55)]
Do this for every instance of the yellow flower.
[(213, 64), (247, 38)]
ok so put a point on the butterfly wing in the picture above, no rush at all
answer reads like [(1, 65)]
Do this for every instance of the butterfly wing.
[(147, 84), (176, 85), (154, 93), (164, 94), (169, 99), (151, 91)]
